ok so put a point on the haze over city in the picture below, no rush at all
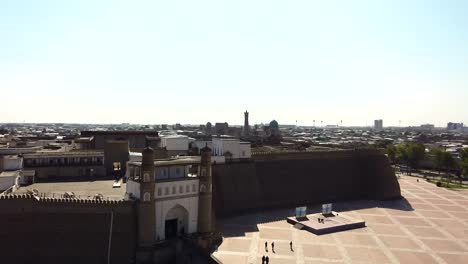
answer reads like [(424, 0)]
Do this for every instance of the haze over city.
[(199, 61)]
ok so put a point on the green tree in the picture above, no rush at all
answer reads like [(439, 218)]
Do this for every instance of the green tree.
[(464, 161), (402, 154), (416, 153), (392, 153), (449, 163), (438, 157)]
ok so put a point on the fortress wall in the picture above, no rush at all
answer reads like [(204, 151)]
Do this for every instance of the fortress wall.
[(295, 179), (235, 187), (60, 231), (380, 179)]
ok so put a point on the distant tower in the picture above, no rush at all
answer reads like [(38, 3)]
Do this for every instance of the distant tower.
[(205, 207), (208, 128), (146, 205), (246, 130)]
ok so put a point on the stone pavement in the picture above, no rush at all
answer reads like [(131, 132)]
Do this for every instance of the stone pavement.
[(429, 226)]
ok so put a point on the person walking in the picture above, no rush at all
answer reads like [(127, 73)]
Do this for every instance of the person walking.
[(290, 245), (267, 259), (273, 247), (266, 246), (263, 260)]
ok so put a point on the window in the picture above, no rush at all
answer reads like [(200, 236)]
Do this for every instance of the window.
[(193, 188), (161, 173), (187, 188), (181, 189), (146, 197), (159, 192), (166, 191), (173, 190), (137, 173), (146, 177), (203, 172), (176, 172)]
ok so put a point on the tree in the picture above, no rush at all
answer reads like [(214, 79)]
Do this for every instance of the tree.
[(464, 161), (449, 162), (438, 157), (392, 153), (402, 154), (415, 153)]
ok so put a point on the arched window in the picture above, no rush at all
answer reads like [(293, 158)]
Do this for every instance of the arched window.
[(146, 177), (146, 197)]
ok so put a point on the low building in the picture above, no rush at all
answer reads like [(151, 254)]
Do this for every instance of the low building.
[(136, 139), (231, 148), (12, 163), (455, 126), (65, 165), (176, 144), (9, 179)]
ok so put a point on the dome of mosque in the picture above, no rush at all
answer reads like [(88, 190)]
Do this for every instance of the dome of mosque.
[(274, 124)]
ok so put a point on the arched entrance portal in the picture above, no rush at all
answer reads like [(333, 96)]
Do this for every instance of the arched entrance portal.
[(176, 222)]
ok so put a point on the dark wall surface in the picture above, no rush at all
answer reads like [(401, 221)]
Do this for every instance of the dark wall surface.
[(295, 179), (65, 232)]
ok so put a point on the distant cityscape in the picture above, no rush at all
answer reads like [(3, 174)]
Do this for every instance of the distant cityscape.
[(164, 193)]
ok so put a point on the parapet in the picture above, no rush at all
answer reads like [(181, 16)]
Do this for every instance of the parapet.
[(307, 154), (62, 200)]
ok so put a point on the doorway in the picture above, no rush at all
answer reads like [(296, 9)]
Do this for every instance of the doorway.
[(171, 228)]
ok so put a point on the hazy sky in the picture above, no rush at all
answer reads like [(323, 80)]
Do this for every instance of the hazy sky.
[(197, 61)]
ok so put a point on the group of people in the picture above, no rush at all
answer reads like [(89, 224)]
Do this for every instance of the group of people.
[(266, 259), (321, 220)]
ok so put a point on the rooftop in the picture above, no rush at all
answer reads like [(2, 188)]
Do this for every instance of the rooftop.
[(64, 154), (83, 190), (10, 173), (189, 160), (87, 133)]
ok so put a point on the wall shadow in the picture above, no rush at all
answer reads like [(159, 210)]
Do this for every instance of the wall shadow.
[(243, 224)]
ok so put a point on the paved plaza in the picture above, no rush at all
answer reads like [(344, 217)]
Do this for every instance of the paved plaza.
[(429, 226)]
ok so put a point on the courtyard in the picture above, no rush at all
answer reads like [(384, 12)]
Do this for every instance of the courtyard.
[(430, 225)]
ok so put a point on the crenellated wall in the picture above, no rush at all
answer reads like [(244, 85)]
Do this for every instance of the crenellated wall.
[(293, 179), (51, 230)]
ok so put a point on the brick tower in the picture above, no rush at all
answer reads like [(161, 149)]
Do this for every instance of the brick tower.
[(246, 129), (146, 205), (205, 207)]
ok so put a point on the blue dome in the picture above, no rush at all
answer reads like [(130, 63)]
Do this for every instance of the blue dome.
[(274, 124)]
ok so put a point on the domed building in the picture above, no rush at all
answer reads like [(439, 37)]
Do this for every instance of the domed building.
[(274, 125), (273, 133)]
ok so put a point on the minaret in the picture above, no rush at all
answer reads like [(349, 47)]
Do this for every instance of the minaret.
[(146, 205), (246, 123), (205, 208)]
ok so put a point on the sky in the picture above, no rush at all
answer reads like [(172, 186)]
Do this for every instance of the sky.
[(190, 62)]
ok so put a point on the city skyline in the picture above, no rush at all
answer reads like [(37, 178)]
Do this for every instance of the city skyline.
[(186, 62)]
